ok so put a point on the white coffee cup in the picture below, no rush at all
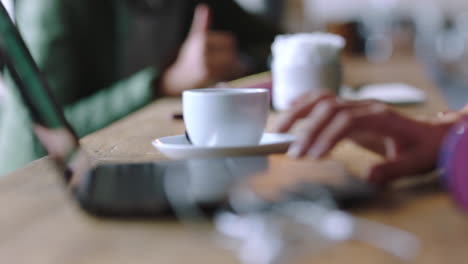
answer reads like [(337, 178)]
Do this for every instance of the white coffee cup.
[(225, 117), (305, 62), (293, 81)]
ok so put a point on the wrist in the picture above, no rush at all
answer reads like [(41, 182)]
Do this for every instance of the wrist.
[(169, 86)]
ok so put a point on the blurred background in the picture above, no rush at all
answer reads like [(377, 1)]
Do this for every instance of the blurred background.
[(436, 31)]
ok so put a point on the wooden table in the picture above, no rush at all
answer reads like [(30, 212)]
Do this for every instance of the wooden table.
[(39, 222)]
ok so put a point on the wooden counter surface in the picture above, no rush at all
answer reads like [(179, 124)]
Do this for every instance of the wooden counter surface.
[(40, 224)]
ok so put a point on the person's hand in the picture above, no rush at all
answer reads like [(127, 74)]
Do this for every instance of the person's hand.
[(58, 142), (410, 146), (205, 57)]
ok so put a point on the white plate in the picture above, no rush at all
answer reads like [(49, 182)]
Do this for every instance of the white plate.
[(177, 147), (392, 93)]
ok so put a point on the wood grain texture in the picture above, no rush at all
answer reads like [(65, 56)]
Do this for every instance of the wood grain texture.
[(39, 222)]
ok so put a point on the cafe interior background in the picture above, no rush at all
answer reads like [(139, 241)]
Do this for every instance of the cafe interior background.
[(435, 31)]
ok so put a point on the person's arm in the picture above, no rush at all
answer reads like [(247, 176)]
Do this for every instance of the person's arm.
[(223, 43), (205, 58), (410, 146), (112, 103), (56, 33)]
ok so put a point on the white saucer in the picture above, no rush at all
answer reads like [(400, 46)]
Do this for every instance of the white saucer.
[(177, 147)]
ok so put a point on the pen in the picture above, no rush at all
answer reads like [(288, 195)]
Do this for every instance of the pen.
[(178, 116)]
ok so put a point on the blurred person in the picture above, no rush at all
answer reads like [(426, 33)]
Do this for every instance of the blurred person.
[(409, 146), (104, 59)]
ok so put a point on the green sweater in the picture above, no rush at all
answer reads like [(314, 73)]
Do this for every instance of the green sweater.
[(84, 47)]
